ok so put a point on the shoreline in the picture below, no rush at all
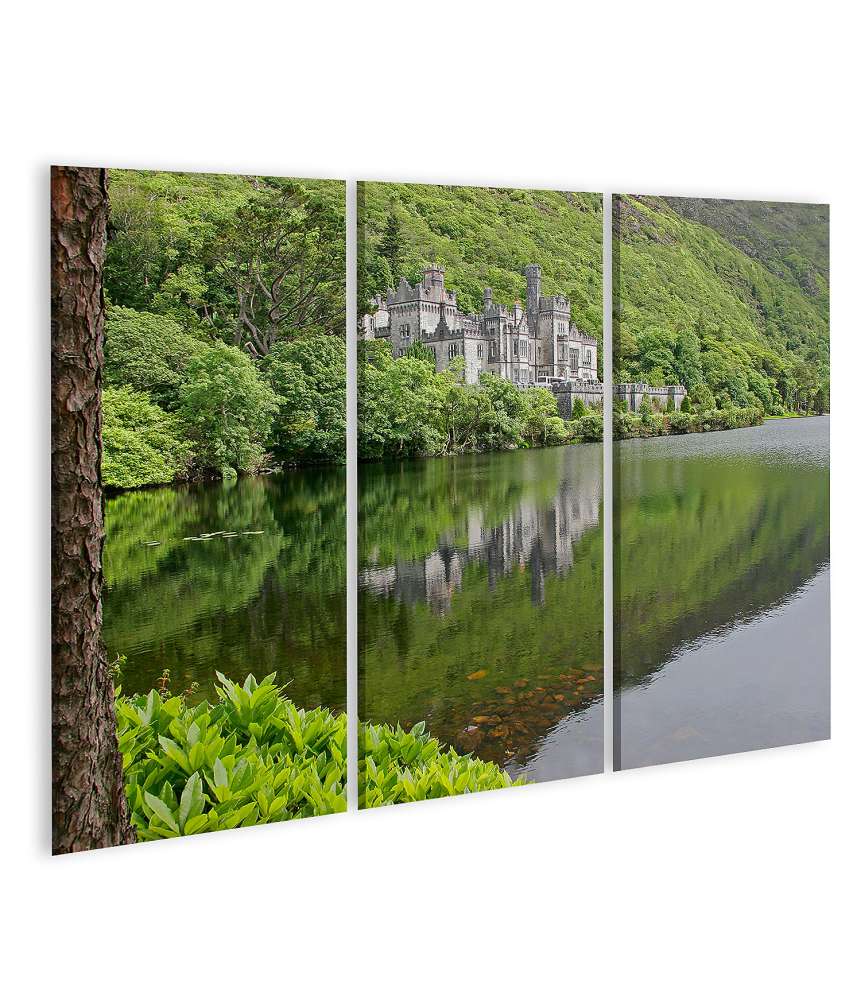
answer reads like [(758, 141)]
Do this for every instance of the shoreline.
[(662, 428)]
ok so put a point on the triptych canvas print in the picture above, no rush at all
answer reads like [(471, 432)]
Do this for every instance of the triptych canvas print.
[(200, 333)]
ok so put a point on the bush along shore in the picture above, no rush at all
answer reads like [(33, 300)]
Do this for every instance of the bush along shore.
[(254, 757), (653, 421)]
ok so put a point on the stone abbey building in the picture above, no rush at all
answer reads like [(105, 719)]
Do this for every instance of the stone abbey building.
[(531, 346)]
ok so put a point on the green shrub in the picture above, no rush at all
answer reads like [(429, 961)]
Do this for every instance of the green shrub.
[(578, 408), (590, 427), (399, 766), (686, 405), (141, 443), (252, 757), (680, 423), (671, 405)]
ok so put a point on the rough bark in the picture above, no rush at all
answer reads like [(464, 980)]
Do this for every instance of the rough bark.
[(89, 805)]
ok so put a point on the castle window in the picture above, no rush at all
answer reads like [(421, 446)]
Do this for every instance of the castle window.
[(479, 351), (452, 350), (516, 348), (588, 359)]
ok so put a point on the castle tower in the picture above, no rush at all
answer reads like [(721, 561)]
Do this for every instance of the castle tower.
[(488, 299), (533, 295), (433, 277)]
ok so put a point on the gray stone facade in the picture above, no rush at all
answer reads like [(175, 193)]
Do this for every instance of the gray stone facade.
[(538, 345)]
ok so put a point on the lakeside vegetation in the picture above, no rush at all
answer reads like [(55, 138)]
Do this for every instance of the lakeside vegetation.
[(253, 757), (408, 409), (728, 298), (653, 420), (224, 338)]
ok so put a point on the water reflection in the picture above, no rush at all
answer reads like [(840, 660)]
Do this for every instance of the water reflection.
[(480, 599), (714, 533), (538, 534), (271, 600)]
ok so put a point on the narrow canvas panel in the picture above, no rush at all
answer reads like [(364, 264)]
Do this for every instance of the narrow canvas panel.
[(199, 521), (480, 489), (721, 481)]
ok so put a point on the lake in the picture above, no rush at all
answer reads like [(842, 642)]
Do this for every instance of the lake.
[(721, 616), (480, 594), (269, 598), (480, 604)]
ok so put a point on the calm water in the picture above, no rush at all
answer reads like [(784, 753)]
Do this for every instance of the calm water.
[(480, 604), (270, 600), (480, 594), (721, 582)]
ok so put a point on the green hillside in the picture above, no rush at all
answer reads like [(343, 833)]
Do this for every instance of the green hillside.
[(729, 298), (484, 237)]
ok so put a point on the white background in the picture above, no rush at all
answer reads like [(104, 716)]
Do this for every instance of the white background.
[(728, 878)]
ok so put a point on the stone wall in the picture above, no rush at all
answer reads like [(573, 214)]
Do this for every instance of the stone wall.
[(632, 393), (590, 391), (592, 394)]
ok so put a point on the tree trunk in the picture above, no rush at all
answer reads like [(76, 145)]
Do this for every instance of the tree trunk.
[(89, 804)]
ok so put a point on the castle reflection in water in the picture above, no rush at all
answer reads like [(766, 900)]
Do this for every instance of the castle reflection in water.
[(538, 536)]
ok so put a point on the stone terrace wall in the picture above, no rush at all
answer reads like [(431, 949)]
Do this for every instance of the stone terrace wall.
[(633, 392), (591, 392)]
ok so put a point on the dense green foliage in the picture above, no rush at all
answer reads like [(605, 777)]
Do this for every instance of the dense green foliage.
[(484, 237), (726, 297), (226, 308), (148, 353), (310, 379), (254, 757), (408, 409), (398, 766), (647, 423), (142, 443), (227, 409)]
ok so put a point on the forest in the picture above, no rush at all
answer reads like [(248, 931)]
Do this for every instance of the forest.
[(224, 336), (728, 298)]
